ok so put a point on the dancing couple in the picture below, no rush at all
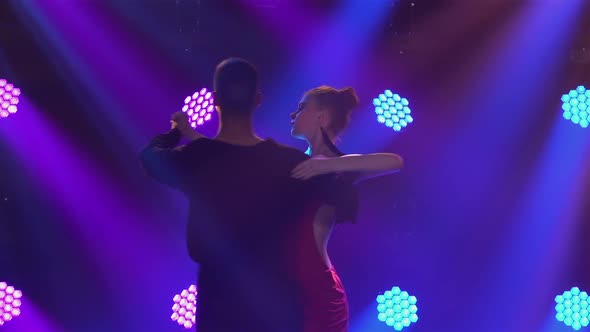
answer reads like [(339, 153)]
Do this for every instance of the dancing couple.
[(261, 213)]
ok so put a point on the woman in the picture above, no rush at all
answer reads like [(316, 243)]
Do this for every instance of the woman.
[(322, 115)]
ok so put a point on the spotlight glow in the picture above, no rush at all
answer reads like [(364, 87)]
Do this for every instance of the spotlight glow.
[(199, 107), (392, 110), (576, 106), (8, 98), (184, 310), (10, 302), (397, 308), (573, 308)]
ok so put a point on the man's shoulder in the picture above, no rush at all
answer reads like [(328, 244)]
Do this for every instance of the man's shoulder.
[(198, 143), (199, 148), (287, 152)]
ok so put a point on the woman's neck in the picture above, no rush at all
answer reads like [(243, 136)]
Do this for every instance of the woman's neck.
[(318, 146), (321, 150)]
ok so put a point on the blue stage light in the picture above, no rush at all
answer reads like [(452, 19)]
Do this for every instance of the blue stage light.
[(392, 110), (397, 308), (573, 308), (576, 106)]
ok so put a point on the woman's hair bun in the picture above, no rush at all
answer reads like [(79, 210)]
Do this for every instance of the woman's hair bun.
[(348, 98)]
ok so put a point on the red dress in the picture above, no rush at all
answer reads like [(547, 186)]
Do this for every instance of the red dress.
[(325, 305)]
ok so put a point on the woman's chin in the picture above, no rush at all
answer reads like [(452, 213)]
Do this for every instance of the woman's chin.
[(296, 134)]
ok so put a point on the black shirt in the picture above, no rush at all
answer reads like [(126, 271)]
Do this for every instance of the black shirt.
[(243, 208)]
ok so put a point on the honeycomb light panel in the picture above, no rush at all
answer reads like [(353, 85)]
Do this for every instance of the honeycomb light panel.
[(10, 303), (576, 106), (393, 111), (184, 309), (199, 107), (9, 98), (397, 308), (573, 308)]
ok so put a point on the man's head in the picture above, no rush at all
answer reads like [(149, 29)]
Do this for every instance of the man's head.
[(236, 85)]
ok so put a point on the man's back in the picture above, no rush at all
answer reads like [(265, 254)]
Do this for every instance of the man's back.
[(244, 207)]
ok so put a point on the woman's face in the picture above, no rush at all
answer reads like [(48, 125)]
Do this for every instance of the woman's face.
[(307, 120)]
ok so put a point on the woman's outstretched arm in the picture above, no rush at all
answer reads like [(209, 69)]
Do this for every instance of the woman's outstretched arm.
[(369, 165), (374, 162)]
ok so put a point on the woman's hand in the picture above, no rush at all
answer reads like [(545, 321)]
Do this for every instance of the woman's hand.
[(312, 167)]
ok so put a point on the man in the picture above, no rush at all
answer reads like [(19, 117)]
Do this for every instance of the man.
[(244, 208)]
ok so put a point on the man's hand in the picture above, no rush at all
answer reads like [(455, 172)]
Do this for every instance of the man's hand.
[(180, 120), (312, 167)]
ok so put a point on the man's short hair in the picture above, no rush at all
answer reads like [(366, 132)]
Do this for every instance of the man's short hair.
[(236, 86)]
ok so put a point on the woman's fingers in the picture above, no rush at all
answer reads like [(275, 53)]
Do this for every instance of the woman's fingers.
[(298, 175), (303, 171), (301, 174), (301, 166)]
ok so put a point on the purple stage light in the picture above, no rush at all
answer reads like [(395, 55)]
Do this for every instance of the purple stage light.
[(184, 310), (10, 302), (8, 98), (199, 107)]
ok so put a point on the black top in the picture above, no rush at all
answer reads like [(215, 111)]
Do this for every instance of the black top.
[(346, 196), (243, 208), (242, 189)]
